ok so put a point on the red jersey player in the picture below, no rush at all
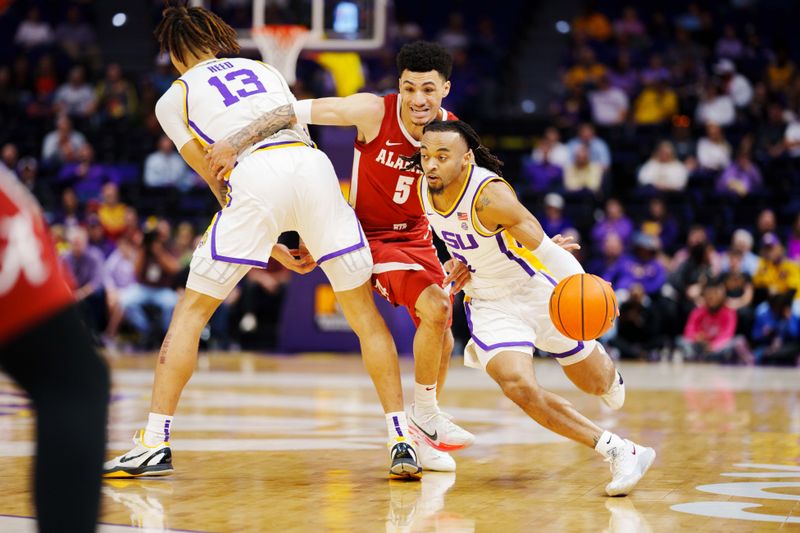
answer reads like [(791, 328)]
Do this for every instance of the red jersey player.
[(407, 271), (48, 351)]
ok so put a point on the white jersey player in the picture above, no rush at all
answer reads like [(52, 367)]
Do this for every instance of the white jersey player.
[(281, 183), (476, 213)]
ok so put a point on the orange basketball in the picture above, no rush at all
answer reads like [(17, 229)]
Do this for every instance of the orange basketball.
[(583, 306)]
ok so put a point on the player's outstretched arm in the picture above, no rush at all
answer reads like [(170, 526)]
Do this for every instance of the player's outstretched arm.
[(498, 206), (363, 110)]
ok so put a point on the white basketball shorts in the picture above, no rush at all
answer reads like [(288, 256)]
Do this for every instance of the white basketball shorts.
[(286, 186), (518, 322)]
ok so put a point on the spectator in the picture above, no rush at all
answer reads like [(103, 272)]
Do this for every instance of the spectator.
[(766, 222), (776, 274), (583, 174), (655, 69), (553, 221), (793, 243), (85, 264), (780, 71), (791, 139), (623, 75), (697, 238), (660, 224), (739, 292), (116, 96), (770, 137), (166, 168), (592, 23), (61, 145), (454, 37), (741, 245), (615, 222), (598, 148), (740, 178), (713, 150), (29, 176), (684, 144), (33, 32), (69, 213), (656, 104), (629, 25), (729, 46), (97, 235), (76, 97), (643, 267), (155, 268), (736, 86), (586, 71), (776, 332), (709, 332), (663, 170), (85, 175), (638, 335), (112, 212), (715, 107), (612, 249), (75, 36), (119, 275), (609, 104), (9, 157)]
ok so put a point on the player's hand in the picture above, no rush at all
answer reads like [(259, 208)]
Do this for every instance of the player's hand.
[(566, 243), (298, 260), (221, 157), (457, 274)]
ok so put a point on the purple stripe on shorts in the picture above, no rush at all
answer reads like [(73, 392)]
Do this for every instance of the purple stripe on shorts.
[(219, 257), (360, 244), (279, 143), (573, 351), (508, 253), (489, 347)]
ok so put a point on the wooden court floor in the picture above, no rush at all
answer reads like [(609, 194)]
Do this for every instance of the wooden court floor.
[(297, 444)]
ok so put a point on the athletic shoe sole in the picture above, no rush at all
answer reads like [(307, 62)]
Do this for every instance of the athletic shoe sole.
[(418, 434), (155, 470)]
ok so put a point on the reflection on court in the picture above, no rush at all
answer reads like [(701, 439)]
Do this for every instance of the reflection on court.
[(297, 444)]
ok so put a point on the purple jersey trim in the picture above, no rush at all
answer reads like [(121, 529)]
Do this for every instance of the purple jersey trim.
[(460, 196), (508, 253), (189, 121)]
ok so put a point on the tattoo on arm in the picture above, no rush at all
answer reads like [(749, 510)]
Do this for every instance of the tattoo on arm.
[(483, 201), (266, 125)]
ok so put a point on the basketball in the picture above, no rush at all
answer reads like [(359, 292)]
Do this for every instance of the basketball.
[(583, 307)]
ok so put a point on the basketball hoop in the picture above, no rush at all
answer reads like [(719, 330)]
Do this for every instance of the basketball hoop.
[(280, 46)]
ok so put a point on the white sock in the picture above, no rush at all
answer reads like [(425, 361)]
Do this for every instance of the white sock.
[(396, 425), (157, 430), (425, 399), (608, 442)]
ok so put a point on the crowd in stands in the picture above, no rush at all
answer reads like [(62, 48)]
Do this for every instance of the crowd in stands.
[(673, 155), (682, 173)]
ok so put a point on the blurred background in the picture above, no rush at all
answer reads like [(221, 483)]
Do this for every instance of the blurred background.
[(665, 138)]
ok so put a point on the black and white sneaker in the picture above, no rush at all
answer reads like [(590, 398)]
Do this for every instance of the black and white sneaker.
[(142, 460), (405, 464)]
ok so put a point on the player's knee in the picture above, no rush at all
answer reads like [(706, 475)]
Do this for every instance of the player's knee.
[(521, 390), (433, 306), (193, 310)]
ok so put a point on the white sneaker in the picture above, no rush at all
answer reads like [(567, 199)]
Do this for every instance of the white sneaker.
[(439, 432), (629, 463), (142, 460), (615, 397), (430, 458)]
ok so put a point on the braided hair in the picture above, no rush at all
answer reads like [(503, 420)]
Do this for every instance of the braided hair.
[(193, 29), (483, 157)]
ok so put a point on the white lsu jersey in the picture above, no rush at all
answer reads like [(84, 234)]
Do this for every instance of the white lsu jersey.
[(219, 97), (495, 260)]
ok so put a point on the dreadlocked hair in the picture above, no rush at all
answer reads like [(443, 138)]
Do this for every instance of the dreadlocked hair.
[(483, 157), (193, 30)]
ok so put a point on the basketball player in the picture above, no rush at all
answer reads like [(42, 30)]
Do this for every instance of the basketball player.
[(407, 271), (281, 184), (478, 216), (47, 349)]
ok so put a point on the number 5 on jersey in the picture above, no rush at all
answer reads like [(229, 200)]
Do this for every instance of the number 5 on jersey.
[(403, 189)]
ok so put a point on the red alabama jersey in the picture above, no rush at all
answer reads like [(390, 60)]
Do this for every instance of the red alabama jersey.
[(382, 192), (32, 285)]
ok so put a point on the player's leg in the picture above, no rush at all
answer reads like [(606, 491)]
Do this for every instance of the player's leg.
[(57, 365), (597, 375), (350, 276), (444, 364), (208, 285), (513, 371)]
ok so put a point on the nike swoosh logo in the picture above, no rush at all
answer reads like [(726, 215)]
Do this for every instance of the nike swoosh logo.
[(634, 450), (609, 440), (126, 459), (432, 437), (429, 388), (389, 143)]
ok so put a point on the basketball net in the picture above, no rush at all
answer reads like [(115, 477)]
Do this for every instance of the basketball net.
[(280, 46)]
